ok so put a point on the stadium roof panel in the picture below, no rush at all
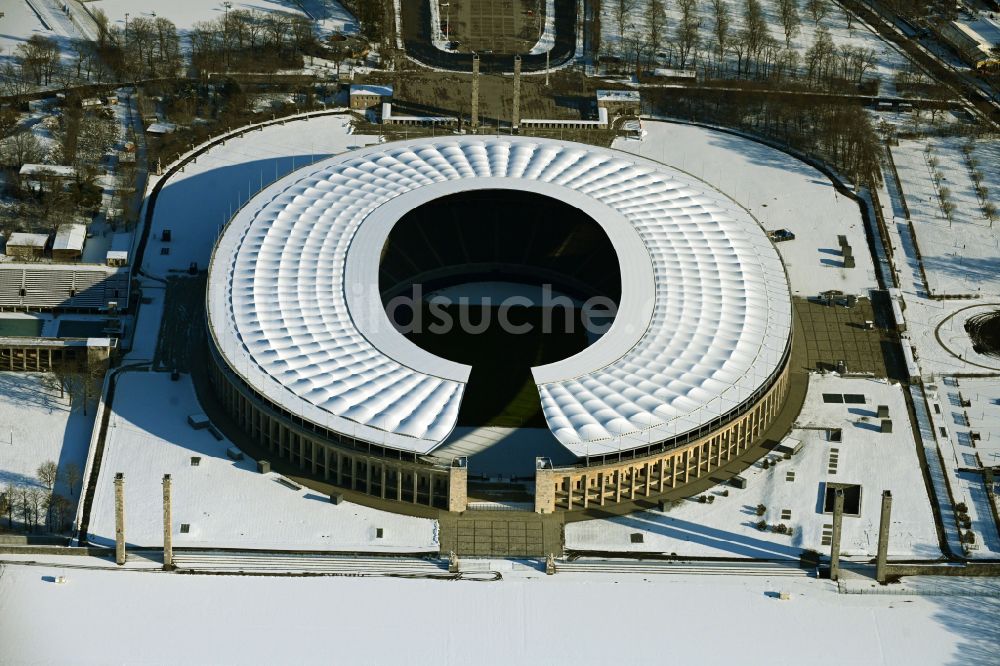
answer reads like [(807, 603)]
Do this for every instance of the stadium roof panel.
[(703, 323)]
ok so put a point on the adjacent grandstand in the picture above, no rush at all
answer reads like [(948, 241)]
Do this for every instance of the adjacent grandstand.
[(688, 374)]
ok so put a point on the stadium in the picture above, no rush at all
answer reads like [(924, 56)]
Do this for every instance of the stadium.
[(684, 369)]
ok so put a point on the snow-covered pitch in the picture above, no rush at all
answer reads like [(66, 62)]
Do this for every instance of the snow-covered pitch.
[(703, 322)]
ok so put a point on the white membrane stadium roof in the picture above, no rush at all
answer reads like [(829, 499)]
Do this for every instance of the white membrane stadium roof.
[(294, 308)]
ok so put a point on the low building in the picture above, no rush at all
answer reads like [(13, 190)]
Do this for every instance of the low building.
[(562, 123), (69, 241), (974, 40), (364, 97), (160, 129), (44, 171), (619, 102), (118, 254), (390, 118), (26, 246)]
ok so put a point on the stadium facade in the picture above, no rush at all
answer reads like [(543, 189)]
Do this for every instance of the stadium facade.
[(690, 373)]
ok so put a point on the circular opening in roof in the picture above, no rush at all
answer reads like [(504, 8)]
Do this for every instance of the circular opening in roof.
[(502, 281)]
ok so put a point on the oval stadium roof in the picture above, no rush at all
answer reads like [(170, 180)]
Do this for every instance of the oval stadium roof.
[(704, 318)]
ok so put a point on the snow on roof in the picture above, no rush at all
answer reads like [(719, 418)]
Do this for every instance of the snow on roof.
[(365, 89), (70, 237), (47, 170), (618, 96), (20, 239), (983, 30), (704, 318), (161, 128), (675, 73)]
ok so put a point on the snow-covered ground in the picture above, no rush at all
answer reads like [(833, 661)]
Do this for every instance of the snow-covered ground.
[(196, 203), (22, 20), (526, 618), (781, 192), (934, 327), (955, 424), (226, 503), (329, 15), (888, 60), (960, 256), (726, 527), (37, 425)]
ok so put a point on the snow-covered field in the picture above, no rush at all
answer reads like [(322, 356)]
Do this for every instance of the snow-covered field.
[(960, 256), (22, 20), (330, 16), (197, 202), (726, 528), (888, 61), (781, 192), (226, 503), (157, 618), (37, 425)]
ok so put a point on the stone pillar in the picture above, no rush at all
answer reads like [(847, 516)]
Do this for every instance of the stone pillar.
[(119, 518), (475, 90), (883, 536), (516, 115), (458, 485), (838, 519), (168, 543), (545, 493)]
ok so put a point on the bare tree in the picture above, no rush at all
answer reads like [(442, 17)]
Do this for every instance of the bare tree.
[(22, 148), (688, 37), (788, 11), (47, 474), (24, 505), (35, 498), (656, 24), (820, 56), (818, 9), (755, 32), (38, 57), (633, 46), (720, 12), (8, 503), (622, 12), (848, 17), (72, 476)]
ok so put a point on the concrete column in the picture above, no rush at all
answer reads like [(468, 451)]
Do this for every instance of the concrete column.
[(545, 494), (883, 536), (516, 116), (475, 90), (458, 485), (838, 519), (168, 542), (119, 518)]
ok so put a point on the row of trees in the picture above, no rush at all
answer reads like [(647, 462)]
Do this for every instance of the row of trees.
[(38, 504), (752, 52), (249, 40)]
